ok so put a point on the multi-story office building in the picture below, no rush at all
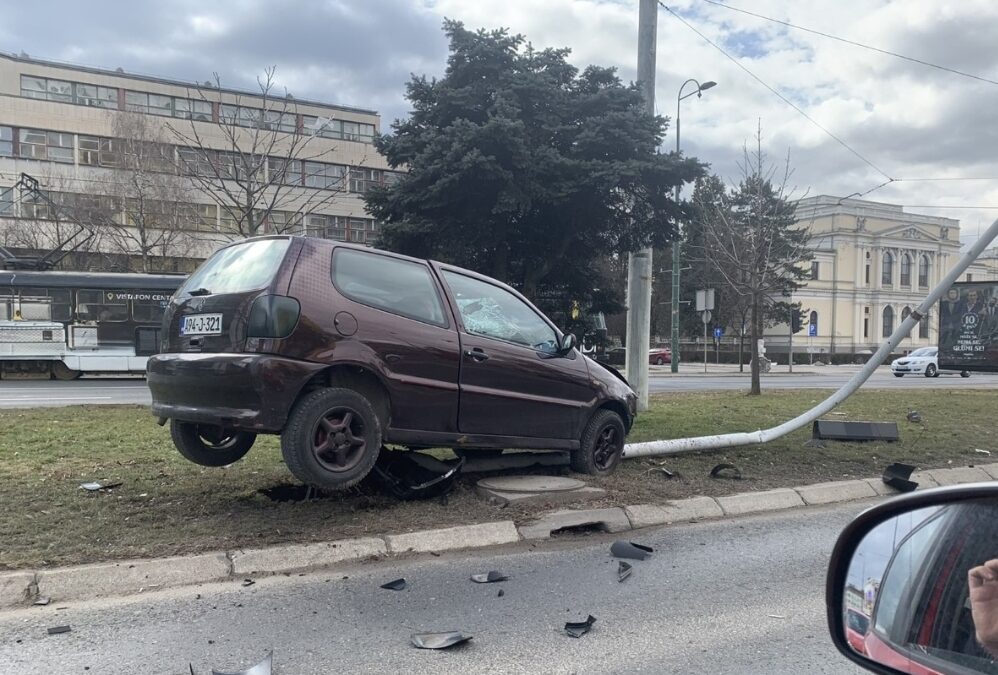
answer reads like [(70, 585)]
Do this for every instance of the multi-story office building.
[(122, 153)]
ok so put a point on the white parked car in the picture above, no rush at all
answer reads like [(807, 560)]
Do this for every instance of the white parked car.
[(923, 361)]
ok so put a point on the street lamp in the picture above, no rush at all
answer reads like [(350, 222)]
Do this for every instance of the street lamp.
[(675, 245)]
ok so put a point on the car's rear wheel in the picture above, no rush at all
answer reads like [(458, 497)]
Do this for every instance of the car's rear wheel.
[(931, 371), (660, 361), (602, 445), (61, 371), (210, 445), (964, 373), (898, 374), (332, 439)]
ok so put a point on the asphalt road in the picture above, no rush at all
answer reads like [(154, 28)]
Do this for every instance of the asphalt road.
[(95, 391), (731, 596)]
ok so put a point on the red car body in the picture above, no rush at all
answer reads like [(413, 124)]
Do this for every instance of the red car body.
[(659, 356)]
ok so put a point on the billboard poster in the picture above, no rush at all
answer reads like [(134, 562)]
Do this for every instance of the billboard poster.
[(968, 327)]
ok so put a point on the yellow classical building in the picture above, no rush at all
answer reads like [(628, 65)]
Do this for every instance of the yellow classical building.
[(873, 264)]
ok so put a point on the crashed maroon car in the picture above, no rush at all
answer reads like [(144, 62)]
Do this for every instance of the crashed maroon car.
[(342, 349)]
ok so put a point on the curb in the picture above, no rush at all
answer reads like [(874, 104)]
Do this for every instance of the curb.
[(20, 588)]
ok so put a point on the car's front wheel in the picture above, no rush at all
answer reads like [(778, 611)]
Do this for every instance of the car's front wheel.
[(602, 445), (332, 439), (898, 374), (964, 373), (660, 361), (210, 445), (931, 371)]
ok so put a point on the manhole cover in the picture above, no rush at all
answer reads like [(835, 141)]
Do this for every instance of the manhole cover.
[(531, 484)]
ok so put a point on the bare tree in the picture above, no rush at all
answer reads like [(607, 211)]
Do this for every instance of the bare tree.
[(255, 161), (151, 208), (757, 246)]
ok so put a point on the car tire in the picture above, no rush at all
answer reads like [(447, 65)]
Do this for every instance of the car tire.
[(602, 445), (660, 361), (209, 445), (931, 371), (332, 439), (964, 373), (898, 374), (61, 371)]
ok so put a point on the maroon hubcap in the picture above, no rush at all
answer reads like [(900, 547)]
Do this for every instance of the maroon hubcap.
[(338, 439), (607, 446)]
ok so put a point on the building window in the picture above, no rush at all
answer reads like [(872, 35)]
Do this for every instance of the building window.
[(338, 129), (970, 277), (905, 313), (812, 320), (887, 279), (923, 272), (69, 92), (815, 267), (6, 142), (283, 171), (6, 201), (195, 162), (152, 104), (284, 222), (361, 180), (888, 321), (325, 176), (906, 270), (50, 145), (923, 326), (192, 109)]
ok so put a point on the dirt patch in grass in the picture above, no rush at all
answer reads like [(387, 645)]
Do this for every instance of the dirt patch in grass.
[(167, 506)]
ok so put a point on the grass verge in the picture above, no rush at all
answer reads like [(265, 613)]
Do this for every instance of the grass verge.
[(168, 506)]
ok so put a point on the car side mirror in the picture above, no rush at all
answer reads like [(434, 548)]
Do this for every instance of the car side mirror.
[(913, 583), (567, 343)]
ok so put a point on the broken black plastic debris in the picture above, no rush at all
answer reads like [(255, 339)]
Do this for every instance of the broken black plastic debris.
[(914, 416), (577, 629), (97, 487), (248, 582), (897, 475), (265, 667), (623, 570), (43, 600), (397, 585), (414, 475), (443, 640), (628, 549), (725, 470), (489, 578), (500, 593), (55, 630)]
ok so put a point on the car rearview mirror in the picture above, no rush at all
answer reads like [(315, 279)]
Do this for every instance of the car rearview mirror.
[(567, 343), (913, 584)]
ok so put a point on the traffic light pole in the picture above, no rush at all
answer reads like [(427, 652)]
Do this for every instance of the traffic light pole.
[(791, 361)]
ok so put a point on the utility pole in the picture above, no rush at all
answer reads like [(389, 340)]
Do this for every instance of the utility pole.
[(639, 263)]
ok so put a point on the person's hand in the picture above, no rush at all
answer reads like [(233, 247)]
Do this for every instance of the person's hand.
[(983, 582)]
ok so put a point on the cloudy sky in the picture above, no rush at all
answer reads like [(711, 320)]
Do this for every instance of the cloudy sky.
[(901, 120)]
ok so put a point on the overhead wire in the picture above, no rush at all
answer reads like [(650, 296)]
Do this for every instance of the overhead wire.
[(887, 52), (779, 95)]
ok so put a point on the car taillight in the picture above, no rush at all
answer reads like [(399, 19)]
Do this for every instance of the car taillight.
[(273, 316)]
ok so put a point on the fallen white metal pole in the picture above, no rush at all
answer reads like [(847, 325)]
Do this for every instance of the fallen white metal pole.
[(678, 446)]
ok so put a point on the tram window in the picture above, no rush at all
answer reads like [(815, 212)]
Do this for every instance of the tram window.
[(62, 304), (147, 311), (34, 304), (100, 306)]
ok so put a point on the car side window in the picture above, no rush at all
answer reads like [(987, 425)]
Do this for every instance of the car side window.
[(496, 313), (398, 286)]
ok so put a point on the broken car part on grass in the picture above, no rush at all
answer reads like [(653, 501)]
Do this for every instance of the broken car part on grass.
[(629, 550), (414, 475), (725, 470), (577, 629), (99, 487), (443, 640), (898, 476)]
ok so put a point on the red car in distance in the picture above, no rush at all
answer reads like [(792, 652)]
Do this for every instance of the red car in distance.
[(659, 356)]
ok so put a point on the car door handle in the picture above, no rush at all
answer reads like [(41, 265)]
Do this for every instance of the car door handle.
[(477, 354)]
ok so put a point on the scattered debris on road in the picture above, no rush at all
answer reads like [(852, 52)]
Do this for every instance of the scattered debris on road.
[(624, 570), (897, 475), (500, 593), (489, 578), (265, 667), (443, 640), (628, 549), (577, 629), (776, 616), (43, 600), (397, 585), (725, 470), (248, 582), (983, 452), (55, 630)]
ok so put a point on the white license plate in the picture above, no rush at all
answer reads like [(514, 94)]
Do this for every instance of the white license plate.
[(201, 324)]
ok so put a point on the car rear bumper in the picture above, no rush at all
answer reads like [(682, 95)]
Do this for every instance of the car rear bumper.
[(243, 391)]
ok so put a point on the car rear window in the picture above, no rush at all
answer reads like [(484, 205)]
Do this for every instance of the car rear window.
[(239, 268), (398, 286)]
